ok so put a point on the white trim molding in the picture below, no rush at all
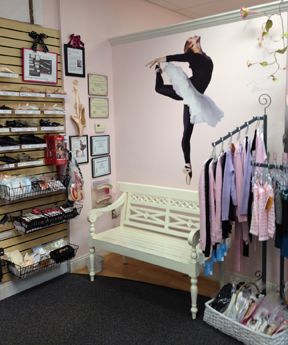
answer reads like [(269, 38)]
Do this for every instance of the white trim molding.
[(218, 19)]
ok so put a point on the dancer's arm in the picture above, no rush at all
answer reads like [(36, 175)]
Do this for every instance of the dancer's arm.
[(180, 57), (176, 57), (156, 61)]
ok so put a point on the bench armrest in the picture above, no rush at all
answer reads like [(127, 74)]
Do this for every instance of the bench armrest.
[(197, 255), (95, 213)]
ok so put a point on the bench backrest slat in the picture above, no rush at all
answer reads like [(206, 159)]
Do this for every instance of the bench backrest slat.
[(171, 211)]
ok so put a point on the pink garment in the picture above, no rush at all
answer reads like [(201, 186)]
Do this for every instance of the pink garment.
[(212, 201), (218, 199), (260, 154), (202, 207), (254, 227), (263, 220)]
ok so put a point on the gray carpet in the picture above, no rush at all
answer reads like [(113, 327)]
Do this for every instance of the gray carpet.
[(70, 310)]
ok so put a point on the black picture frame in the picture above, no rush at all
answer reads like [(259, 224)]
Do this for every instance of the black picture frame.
[(76, 143), (101, 166), (74, 59), (99, 145)]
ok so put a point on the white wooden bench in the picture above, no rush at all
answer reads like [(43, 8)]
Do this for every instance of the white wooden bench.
[(158, 225)]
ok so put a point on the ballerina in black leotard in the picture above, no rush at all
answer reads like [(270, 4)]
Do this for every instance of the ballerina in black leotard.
[(196, 108)]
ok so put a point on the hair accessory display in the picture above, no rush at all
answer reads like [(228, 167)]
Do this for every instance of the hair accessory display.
[(38, 39), (75, 41)]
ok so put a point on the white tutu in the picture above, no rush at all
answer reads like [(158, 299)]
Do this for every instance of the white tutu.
[(202, 108)]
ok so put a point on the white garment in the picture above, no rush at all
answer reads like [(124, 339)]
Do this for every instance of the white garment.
[(202, 108)]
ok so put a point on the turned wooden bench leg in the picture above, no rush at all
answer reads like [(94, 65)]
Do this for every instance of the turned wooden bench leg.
[(194, 294), (92, 263)]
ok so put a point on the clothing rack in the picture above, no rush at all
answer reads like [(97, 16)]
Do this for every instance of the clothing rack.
[(282, 258), (264, 99)]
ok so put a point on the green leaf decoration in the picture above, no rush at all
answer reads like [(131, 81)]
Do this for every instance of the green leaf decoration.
[(281, 51), (268, 25), (264, 63), (285, 35), (264, 33)]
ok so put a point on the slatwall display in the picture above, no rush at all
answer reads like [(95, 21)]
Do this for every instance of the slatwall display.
[(13, 37)]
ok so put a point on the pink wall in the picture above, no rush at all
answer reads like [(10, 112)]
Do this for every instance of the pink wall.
[(149, 126), (96, 21)]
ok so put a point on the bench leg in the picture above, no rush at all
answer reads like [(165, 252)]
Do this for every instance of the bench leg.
[(194, 294), (92, 263)]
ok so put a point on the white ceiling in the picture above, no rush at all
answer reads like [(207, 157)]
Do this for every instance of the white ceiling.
[(202, 8)]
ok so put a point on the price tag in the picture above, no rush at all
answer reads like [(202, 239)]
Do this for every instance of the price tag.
[(29, 112), (55, 95), (50, 128), (56, 112), (33, 146), (9, 148), (32, 94), (8, 75), (9, 93), (23, 129)]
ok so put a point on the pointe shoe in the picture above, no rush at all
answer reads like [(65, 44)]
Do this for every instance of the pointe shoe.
[(158, 69), (188, 172)]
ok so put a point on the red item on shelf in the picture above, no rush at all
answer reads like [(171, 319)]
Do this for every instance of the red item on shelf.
[(55, 152)]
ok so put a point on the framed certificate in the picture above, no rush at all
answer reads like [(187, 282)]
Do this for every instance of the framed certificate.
[(101, 166), (98, 107), (100, 145), (97, 85), (74, 61)]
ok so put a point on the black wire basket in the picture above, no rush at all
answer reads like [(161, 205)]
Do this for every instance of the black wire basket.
[(45, 262), (33, 189), (29, 222)]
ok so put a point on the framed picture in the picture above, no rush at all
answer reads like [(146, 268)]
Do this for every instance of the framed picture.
[(39, 67), (97, 85), (74, 61), (100, 145), (79, 148), (98, 107), (101, 166)]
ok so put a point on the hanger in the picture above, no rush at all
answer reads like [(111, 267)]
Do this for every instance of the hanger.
[(239, 134), (247, 128)]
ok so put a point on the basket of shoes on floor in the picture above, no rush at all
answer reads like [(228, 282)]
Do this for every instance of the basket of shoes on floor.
[(242, 312)]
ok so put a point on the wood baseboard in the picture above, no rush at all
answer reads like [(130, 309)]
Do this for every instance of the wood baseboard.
[(141, 271)]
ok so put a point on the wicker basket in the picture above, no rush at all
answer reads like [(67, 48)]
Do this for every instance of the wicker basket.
[(239, 331)]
